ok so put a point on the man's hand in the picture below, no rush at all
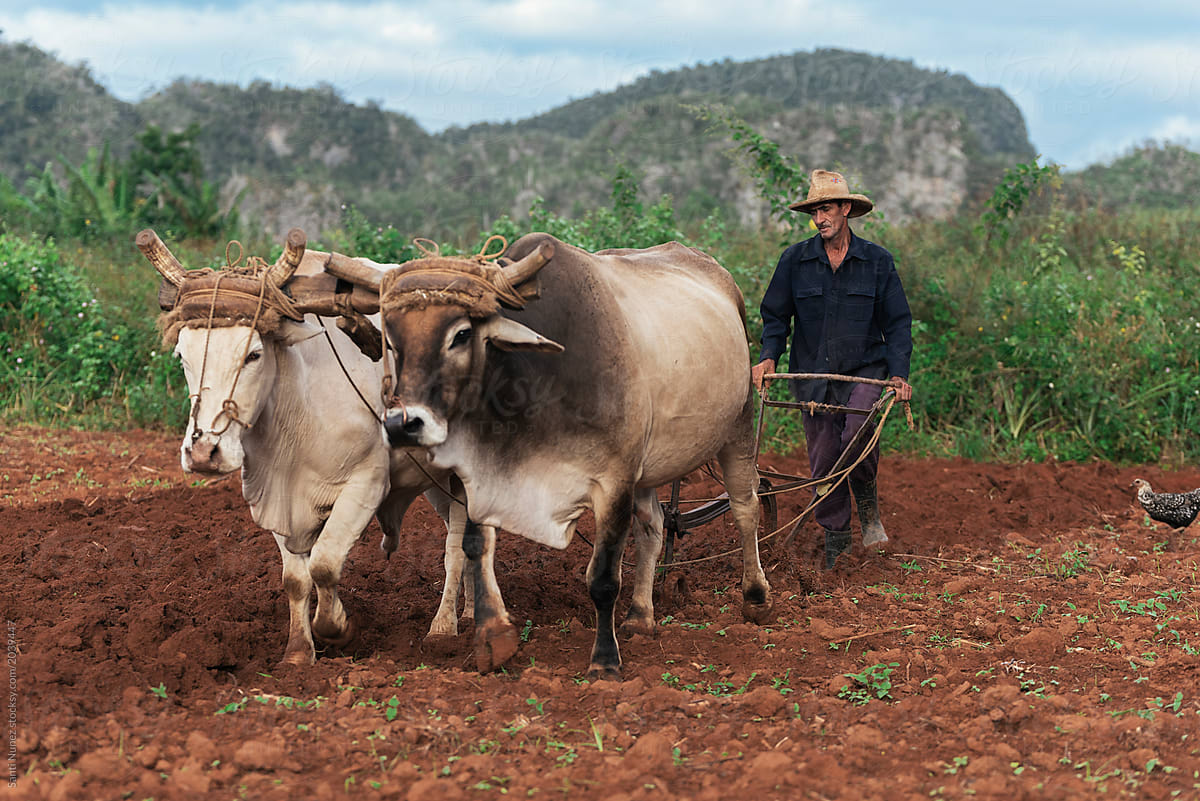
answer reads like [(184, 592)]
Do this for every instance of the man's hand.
[(759, 370), (903, 390)]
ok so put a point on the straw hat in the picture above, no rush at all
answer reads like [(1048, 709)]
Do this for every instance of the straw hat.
[(825, 187)]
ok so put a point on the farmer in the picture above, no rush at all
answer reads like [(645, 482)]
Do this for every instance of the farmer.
[(852, 318)]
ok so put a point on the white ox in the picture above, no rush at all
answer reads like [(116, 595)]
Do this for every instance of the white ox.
[(305, 432)]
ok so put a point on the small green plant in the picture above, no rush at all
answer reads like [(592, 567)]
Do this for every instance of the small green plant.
[(1173, 705), (781, 683), (597, 737), (955, 765), (493, 783), (160, 691), (392, 708), (872, 682), (1073, 562), (566, 752)]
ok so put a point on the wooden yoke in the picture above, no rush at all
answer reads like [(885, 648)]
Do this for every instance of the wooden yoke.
[(327, 295)]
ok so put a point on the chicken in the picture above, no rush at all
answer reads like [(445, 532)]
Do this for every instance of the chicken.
[(1176, 509)]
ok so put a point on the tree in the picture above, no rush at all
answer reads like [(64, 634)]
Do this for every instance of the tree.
[(179, 197)]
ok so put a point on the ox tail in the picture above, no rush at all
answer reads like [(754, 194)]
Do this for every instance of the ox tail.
[(741, 304)]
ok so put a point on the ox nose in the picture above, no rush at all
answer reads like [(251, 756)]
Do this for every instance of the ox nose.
[(203, 451), (202, 456), (404, 430)]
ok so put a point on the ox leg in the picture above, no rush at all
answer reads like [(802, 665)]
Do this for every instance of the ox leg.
[(468, 592), (391, 519), (495, 636), (648, 539), (604, 582), (445, 621), (297, 586), (741, 482), (346, 522)]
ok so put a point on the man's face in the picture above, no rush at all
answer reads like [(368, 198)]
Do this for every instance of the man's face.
[(830, 219)]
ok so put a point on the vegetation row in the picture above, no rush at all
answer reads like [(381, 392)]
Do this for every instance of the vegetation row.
[(1042, 329)]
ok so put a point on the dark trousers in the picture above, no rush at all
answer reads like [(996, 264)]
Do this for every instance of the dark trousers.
[(827, 436)]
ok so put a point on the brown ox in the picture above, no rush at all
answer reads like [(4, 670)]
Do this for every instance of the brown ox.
[(654, 382)]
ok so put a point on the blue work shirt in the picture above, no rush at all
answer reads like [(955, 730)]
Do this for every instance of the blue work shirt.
[(853, 321)]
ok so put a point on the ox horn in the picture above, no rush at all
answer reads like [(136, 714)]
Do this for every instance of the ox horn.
[(354, 271), (289, 260), (521, 271), (157, 254)]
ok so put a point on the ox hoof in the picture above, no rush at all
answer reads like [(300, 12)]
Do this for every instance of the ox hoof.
[(603, 673), (758, 613), (872, 538), (495, 644), (633, 626), (298, 658), (442, 628), (335, 638)]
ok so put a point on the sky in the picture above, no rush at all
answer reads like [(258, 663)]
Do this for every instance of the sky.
[(1093, 79)]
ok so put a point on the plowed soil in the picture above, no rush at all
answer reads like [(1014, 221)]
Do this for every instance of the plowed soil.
[(1027, 633)]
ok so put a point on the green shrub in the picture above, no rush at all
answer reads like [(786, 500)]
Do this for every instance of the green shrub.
[(627, 224), (359, 237), (63, 353), (1075, 337)]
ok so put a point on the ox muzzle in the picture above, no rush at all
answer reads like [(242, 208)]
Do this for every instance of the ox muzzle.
[(208, 453), (413, 427)]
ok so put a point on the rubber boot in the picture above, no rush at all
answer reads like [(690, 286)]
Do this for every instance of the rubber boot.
[(868, 512), (836, 544)]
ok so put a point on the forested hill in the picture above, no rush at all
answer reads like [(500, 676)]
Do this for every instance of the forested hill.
[(819, 78), (1154, 175), (921, 142)]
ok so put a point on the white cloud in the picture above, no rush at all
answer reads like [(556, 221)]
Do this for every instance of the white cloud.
[(1084, 72), (1179, 129)]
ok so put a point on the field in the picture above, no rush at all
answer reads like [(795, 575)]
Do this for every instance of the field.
[(1027, 632)]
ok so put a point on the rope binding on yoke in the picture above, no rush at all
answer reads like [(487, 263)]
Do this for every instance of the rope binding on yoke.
[(247, 290), (476, 283)]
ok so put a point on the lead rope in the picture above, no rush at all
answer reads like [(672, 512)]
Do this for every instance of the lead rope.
[(229, 407), (386, 396), (212, 308), (389, 380), (839, 477)]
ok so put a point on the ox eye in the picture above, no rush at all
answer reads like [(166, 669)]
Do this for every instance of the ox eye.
[(461, 337), (253, 356)]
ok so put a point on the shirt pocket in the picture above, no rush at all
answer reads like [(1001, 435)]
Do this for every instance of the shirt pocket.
[(860, 303), (810, 303)]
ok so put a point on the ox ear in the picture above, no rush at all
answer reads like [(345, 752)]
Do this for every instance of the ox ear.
[(293, 333), (508, 334)]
